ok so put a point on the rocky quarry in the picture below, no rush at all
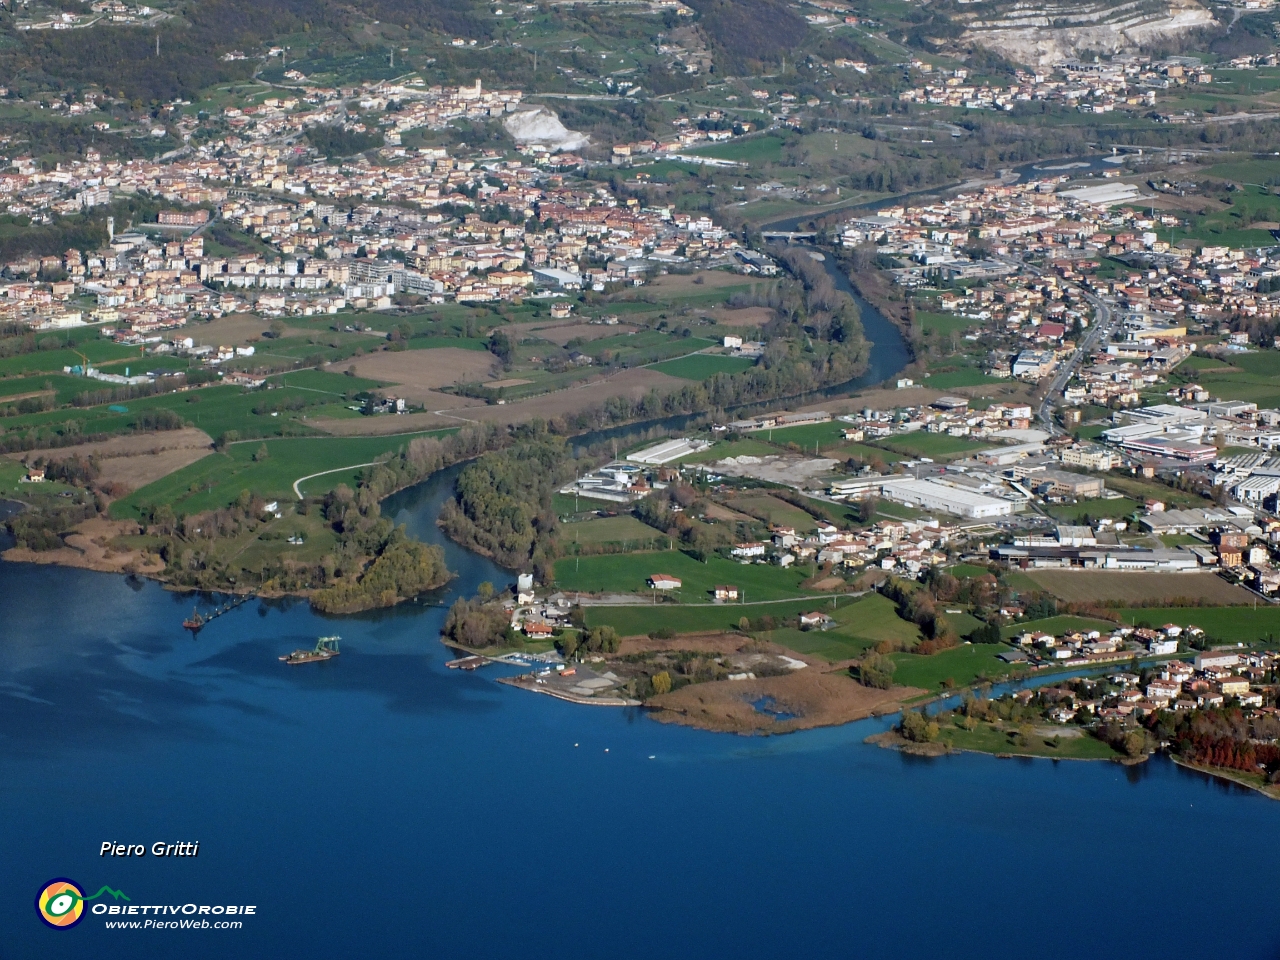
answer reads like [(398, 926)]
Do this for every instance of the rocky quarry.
[(1045, 33)]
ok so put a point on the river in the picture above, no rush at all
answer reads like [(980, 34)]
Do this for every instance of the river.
[(380, 805)]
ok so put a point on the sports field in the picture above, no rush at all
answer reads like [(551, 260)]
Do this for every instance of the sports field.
[(806, 435), (625, 530), (960, 378), (931, 445)]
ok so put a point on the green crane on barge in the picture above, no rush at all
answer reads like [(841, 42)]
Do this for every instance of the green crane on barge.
[(326, 648)]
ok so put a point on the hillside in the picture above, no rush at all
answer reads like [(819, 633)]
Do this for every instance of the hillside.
[(1042, 33)]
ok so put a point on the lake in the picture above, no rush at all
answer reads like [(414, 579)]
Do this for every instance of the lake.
[(380, 805)]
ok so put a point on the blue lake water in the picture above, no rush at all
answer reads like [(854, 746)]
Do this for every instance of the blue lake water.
[(380, 805)]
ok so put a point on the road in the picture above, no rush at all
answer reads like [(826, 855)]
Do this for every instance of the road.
[(1103, 323), (311, 476)]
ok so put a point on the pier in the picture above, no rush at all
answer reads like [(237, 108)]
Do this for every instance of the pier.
[(198, 620)]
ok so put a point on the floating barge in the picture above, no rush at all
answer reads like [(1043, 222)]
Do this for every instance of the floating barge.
[(326, 648)]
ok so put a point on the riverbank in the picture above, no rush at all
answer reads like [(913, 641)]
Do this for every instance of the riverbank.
[(89, 547), (1253, 782), (1087, 748)]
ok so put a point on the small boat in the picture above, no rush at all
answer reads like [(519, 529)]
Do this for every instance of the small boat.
[(195, 621), (325, 649)]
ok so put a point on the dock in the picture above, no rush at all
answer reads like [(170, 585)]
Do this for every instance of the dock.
[(530, 682), (198, 620), (467, 663)]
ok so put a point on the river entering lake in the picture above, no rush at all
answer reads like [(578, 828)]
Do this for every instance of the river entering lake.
[(380, 805)]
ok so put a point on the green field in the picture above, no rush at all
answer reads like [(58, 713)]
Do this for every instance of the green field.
[(806, 435), (752, 150), (774, 511), (989, 738), (213, 409), (827, 644), (460, 343), (1020, 582), (961, 570), (865, 453), (1250, 377), (65, 387), (703, 618), (1139, 489), (936, 445), (1227, 624), (1058, 626), (961, 624), (646, 342), (217, 479), (336, 383), (47, 361), (1233, 226), (1198, 362), (10, 475), (1246, 171), (874, 618), (1073, 512), (960, 666), (960, 378), (623, 529), (702, 366), (942, 324), (627, 573)]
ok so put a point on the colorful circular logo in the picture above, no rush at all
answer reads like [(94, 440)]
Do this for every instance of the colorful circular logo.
[(60, 903)]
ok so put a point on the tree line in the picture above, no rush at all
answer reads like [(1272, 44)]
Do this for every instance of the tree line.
[(502, 503)]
